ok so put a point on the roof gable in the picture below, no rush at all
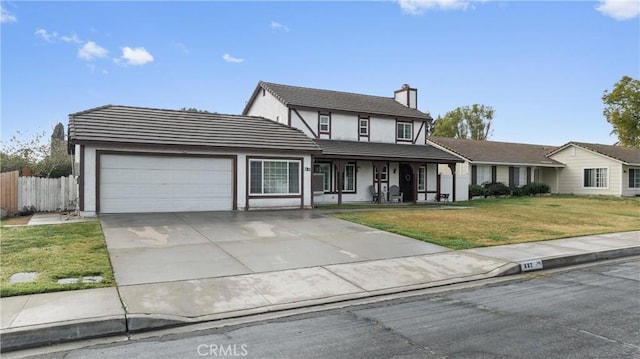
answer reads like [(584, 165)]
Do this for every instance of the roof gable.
[(336, 101), (497, 152), (626, 155), (148, 126)]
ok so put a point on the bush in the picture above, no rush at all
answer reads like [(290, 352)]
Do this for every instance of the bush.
[(496, 189), (476, 190), (535, 188), (517, 191)]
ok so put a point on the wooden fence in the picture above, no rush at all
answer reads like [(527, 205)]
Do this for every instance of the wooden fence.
[(9, 192), (38, 194)]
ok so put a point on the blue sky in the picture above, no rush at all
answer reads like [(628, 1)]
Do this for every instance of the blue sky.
[(542, 65)]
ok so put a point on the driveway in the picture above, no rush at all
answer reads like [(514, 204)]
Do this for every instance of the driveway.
[(162, 247)]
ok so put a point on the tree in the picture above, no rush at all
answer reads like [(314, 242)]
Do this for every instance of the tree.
[(45, 159), (622, 111), (472, 122), (193, 109)]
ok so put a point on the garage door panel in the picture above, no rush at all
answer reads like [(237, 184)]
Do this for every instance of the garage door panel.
[(138, 183)]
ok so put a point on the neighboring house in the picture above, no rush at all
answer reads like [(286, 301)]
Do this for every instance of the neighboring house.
[(369, 143), (595, 169), (132, 159), (514, 164)]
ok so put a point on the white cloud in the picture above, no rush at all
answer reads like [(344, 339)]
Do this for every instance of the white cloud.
[(91, 51), (619, 9), (73, 39), (416, 7), (278, 26), (6, 16), (45, 35), (231, 59), (137, 56)]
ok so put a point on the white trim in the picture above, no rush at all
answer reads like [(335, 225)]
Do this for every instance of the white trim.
[(589, 150), (288, 162), (595, 168)]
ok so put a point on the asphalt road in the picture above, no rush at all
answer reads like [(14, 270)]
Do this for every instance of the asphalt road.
[(587, 312)]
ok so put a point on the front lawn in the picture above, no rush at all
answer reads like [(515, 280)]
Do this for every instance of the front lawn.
[(59, 251), (509, 220)]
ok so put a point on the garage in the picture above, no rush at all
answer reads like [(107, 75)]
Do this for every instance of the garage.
[(135, 183)]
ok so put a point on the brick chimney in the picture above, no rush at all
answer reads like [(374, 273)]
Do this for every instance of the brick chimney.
[(407, 96)]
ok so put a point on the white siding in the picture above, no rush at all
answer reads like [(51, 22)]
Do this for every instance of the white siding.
[(571, 178), (241, 185), (626, 190), (269, 107)]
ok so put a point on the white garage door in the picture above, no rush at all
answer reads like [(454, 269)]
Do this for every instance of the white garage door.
[(138, 183)]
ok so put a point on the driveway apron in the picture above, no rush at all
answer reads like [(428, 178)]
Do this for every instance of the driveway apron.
[(165, 247)]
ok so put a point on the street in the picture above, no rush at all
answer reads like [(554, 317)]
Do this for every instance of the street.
[(584, 312)]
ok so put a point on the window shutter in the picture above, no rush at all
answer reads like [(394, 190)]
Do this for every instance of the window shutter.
[(512, 175), (528, 175), (474, 174), (494, 174)]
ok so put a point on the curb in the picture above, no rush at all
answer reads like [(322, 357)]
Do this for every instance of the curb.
[(55, 333), (47, 334)]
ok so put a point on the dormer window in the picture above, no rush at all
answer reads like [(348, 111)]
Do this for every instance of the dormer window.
[(404, 131), (324, 124)]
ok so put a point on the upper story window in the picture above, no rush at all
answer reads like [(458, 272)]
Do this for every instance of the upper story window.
[(404, 131), (324, 122), (596, 178), (363, 127)]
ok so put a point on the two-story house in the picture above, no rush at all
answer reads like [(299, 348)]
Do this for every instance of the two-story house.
[(370, 144)]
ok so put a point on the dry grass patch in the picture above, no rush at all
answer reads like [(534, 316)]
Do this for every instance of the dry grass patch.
[(510, 220)]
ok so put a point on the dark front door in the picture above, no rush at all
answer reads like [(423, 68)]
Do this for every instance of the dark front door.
[(406, 182)]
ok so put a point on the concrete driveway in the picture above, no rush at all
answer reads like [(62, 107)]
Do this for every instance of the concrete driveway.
[(163, 247)]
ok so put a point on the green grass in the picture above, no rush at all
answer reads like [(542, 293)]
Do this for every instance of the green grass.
[(507, 220), (54, 252)]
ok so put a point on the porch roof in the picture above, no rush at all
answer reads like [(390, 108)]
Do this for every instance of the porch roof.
[(384, 152)]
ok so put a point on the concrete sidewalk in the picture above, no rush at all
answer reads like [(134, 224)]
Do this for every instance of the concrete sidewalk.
[(42, 319)]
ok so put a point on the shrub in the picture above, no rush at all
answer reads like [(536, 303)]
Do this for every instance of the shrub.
[(497, 189), (476, 190), (535, 188), (517, 191)]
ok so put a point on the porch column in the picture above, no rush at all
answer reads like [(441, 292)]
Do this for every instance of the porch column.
[(452, 167), (339, 166), (377, 169), (438, 185), (415, 167)]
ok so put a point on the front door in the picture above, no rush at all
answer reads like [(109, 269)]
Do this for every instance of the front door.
[(406, 182)]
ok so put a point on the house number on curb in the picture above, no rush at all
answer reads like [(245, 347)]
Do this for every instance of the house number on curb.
[(531, 265)]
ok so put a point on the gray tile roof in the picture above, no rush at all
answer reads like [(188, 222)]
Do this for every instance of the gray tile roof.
[(148, 126), (384, 151), (337, 101), (627, 155), (498, 152)]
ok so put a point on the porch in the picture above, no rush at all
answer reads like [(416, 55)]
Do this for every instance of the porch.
[(356, 172)]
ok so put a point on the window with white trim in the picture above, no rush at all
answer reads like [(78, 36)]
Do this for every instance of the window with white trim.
[(383, 174), (325, 169), (349, 178), (596, 178), (274, 177), (404, 131), (363, 128), (323, 124), (634, 177), (422, 179)]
